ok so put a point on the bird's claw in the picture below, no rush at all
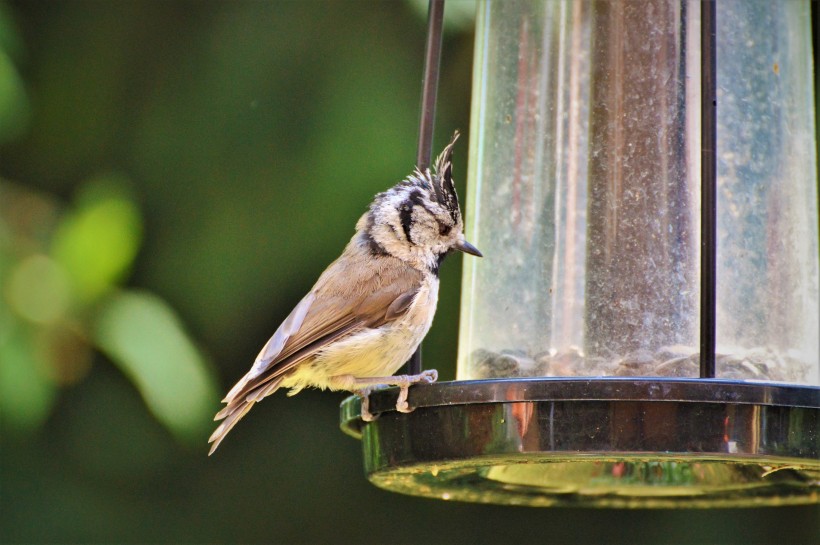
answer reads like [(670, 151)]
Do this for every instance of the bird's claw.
[(401, 403), (427, 377), (366, 415), (403, 382)]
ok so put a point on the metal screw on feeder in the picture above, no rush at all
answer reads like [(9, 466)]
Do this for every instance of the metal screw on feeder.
[(643, 329)]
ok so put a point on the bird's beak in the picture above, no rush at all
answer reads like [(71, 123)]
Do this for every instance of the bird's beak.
[(467, 248)]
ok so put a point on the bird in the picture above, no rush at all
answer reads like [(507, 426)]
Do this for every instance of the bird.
[(370, 309)]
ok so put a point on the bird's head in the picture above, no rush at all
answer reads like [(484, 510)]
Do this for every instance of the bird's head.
[(418, 220)]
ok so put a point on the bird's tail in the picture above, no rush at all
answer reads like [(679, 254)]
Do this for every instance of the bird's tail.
[(239, 403), (228, 424)]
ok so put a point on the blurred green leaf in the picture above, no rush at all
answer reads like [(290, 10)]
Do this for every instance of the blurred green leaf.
[(26, 395), (98, 241), (145, 338), (38, 289)]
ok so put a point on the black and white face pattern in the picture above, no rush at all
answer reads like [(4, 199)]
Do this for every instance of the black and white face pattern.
[(418, 220)]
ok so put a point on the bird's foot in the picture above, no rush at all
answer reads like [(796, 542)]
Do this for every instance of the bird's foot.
[(368, 384), (428, 377), (367, 416)]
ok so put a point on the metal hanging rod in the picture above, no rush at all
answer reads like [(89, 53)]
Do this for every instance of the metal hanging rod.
[(429, 90), (708, 226)]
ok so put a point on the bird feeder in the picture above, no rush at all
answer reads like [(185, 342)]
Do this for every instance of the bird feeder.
[(643, 329)]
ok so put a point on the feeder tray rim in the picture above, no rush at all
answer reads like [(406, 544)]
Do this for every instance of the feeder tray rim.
[(583, 389)]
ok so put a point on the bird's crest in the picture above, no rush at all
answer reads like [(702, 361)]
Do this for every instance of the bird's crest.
[(442, 180)]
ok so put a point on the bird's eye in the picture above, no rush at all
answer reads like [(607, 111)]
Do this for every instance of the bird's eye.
[(444, 230)]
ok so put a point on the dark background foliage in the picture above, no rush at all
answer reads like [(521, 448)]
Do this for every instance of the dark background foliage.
[(237, 143)]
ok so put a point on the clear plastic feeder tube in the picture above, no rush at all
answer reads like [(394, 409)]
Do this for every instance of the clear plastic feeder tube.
[(768, 311), (584, 192)]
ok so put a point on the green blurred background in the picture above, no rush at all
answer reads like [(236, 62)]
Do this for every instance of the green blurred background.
[(173, 177)]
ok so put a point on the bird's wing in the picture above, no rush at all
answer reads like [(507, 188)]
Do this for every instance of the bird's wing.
[(339, 304), (276, 344), (335, 307)]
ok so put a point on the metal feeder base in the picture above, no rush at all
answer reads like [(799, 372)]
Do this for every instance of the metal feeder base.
[(604, 442)]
